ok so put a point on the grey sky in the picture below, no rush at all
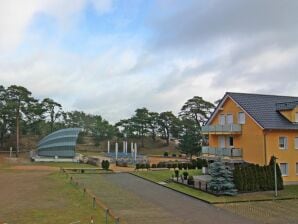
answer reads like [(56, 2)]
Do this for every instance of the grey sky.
[(110, 57)]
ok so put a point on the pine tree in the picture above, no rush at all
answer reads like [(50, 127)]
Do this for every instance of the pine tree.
[(221, 179)]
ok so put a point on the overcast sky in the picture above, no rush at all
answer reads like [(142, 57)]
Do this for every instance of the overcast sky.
[(111, 57)]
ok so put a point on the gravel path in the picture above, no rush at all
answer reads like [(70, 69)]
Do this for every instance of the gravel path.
[(157, 204)]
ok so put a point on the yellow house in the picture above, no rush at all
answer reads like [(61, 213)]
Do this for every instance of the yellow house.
[(252, 128)]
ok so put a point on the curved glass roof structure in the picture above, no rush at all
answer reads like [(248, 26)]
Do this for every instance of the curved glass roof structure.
[(59, 143)]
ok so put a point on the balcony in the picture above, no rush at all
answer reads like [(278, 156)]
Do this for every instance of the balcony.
[(221, 152), (222, 129)]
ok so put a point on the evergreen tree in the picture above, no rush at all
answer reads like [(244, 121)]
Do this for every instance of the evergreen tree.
[(221, 179)]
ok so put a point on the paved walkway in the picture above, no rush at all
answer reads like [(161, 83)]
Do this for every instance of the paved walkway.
[(157, 204)]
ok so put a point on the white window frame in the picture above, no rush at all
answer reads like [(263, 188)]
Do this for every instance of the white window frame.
[(285, 147), (220, 119), (228, 117), (296, 169), (296, 142), (241, 121), (287, 169), (296, 117)]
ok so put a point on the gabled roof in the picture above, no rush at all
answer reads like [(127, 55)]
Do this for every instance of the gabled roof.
[(263, 109)]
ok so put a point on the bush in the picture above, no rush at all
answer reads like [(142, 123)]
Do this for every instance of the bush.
[(174, 165), (105, 164), (199, 164), (189, 166), (153, 166), (184, 166), (180, 166), (251, 177), (174, 155), (177, 174), (204, 163), (190, 180), (166, 154), (169, 165), (147, 165), (137, 166), (185, 175), (142, 166)]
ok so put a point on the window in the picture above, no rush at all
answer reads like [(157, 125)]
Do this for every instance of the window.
[(296, 117), (296, 168), (230, 141), (241, 118), (296, 143), (283, 142), (230, 118), (222, 119), (284, 169)]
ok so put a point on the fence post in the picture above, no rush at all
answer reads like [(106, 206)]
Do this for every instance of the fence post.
[(94, 206), (117, 220), (107, 214)]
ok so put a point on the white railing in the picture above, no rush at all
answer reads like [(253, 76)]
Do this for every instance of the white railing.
[(230, 152), (222, 128)]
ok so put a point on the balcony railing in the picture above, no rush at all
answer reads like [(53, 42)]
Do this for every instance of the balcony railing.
[(229, 152), (220, 129)]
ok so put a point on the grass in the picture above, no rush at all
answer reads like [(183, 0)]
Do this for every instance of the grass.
[(165, 175), (273, 212), (45, 198), (129, 206)]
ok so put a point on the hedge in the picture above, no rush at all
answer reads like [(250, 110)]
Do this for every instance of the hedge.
[(252, 177)]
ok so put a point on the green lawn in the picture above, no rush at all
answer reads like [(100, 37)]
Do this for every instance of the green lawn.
[(165, 175)]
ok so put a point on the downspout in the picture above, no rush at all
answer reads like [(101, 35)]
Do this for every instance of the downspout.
[(265, 147)]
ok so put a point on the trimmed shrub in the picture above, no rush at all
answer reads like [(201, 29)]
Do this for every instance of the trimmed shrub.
[(147, 165), (184, 165), (190, 180), (153, 166), (169, 165), (166, 154), (142, 166), (173, 155), (185, 175), (137, 166), (189, 166), (176, 174), (174, 165), (180, 166), (105, 164)]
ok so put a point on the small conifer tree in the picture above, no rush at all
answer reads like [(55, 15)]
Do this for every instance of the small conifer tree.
[(221, 179)]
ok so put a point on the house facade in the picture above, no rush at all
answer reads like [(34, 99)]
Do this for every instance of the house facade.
[(252, 128)]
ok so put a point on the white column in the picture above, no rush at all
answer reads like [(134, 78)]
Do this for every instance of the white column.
[(116, 150), (10, 151), (108, 147), (123, 147), (126, 147), (136, 150)]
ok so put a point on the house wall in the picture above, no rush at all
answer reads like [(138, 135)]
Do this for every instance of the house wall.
[(251, 140), (289, 155)]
